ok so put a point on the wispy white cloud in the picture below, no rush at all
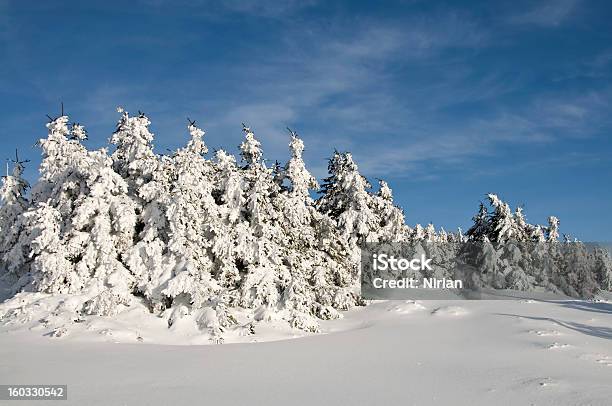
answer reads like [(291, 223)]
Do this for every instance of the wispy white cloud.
[(542, 121), (344, 78), (547, 13), (575, 115), (268, 8), (256, 8), (447, 146)]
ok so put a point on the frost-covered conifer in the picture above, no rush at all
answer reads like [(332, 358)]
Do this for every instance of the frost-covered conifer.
[(12, 204), (49, 269), (301, 241), (460, 236), (278, 173), (346, 201), (250, 149), (321, 274), (443, 236), (503, 226), (133, 157), (430, 233), (418, 233), (40, 254), (192, 218), (345, 198), (577, 270), (301, 181), (335, 272), (62, 165), (523, 230), (391, 225), (148, 179), (482, 226), (82, 221), (230, 186), (537, 234), (297, 204), (603, 268), (552, 232), (487, 261), (265, 272), (101, 232), (232, 246)]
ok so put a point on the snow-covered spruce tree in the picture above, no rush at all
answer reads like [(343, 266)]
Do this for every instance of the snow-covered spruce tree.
[(291, 262), (302, 257), (441, 250), (39, 255), (336, 273), (576, 276), (296, 218), (418, 233), (321, 277), (502, 225), (295, 202), (62, 165), (148, 179), (133, 157), (79, 223), (535, 266), (194, 222), (232, 246), (265, 273), (13, 203), (603, 267), (301, 182), (278, 173), (345, 198), (537, 234), (443, 235), (487, 261), (430, 233), (494, 246), (552, 232), (513, 247), (523, 229), (391, 224), (460, 236), (481, 226), (101, 232)]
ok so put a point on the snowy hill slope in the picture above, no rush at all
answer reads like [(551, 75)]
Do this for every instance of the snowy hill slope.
[(515, 352)]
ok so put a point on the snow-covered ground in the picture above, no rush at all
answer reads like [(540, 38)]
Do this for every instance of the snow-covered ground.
[(497, 352)]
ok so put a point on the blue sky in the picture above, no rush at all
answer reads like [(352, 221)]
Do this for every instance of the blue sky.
[(447, 101)]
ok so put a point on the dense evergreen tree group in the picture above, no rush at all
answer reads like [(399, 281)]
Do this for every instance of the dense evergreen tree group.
[(506, 252), (193, 235)]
